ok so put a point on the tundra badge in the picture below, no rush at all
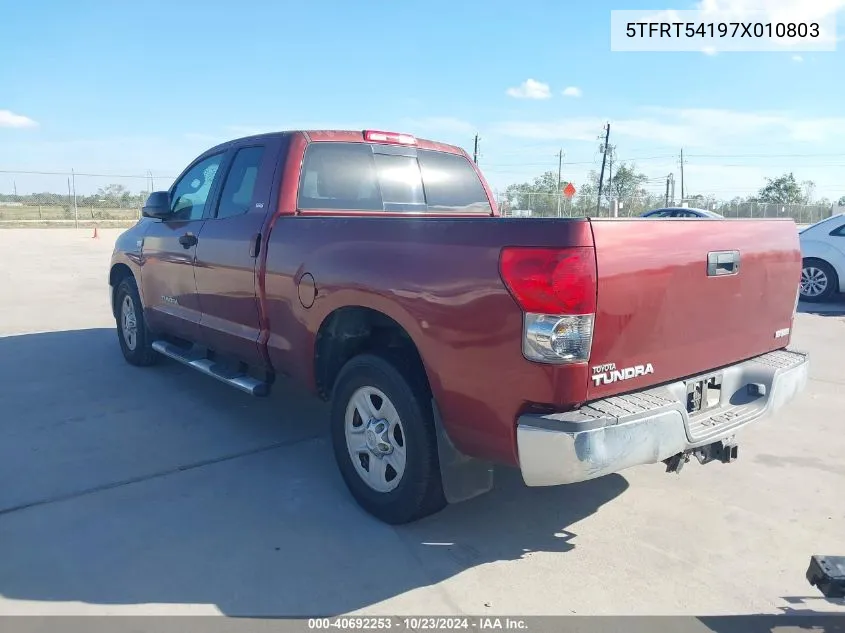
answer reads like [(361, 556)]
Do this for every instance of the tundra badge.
[(607, 373), (782, 333)]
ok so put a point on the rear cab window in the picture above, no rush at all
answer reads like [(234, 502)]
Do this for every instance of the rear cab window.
[(374, 177)]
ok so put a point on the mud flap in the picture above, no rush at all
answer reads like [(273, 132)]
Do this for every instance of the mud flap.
[(463, 477)]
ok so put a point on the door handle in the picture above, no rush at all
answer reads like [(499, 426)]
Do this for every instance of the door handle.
[(255, 245), (722, 263), (188, 240)]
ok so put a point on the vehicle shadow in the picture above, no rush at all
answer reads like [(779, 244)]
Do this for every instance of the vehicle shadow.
[(817, 622), (803, 617), (158, 486), (835, 308)]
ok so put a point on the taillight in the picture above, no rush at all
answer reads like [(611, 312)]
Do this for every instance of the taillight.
[(556, 289), (376, 136), (551, 281)]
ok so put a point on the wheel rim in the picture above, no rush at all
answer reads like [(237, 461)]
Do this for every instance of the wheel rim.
[(813, 281), (375, 439), (128, 323)]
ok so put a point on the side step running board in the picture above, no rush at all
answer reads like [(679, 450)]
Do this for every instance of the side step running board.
[(245, 383)]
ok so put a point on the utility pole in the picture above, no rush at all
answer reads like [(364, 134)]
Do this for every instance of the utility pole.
[(611, 150), (682, 174), (668, 178), (603, 160), (559, 170), (75, 209), (475, 150), (15, 188)]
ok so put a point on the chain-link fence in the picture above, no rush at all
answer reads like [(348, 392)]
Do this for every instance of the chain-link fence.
[(74, 199), (555, 205), (83, 199)]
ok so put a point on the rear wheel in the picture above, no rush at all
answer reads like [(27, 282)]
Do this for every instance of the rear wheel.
[(818, 281), (132, 333), (384, 442)]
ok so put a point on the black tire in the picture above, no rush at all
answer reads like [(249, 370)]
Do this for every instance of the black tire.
[(820, 271), (142, 354), (419, 492)]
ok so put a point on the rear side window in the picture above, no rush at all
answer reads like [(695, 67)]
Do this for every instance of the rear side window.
[(839, 232), (451, 183), (358, 176), (240, 182)]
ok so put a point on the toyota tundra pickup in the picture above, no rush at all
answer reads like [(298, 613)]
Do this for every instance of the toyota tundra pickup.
[(373, 269)]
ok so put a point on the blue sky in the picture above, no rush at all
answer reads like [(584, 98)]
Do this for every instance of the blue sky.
[(111, 88)]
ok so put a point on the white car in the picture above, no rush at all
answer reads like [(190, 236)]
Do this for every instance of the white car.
[(823, 253)]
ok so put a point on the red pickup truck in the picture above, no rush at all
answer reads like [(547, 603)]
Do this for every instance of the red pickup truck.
[(374, 269)]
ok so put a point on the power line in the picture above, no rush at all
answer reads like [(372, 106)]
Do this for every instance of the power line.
[(765, 155), (536, 164), (585, 162), (68, 173), (769, 166)]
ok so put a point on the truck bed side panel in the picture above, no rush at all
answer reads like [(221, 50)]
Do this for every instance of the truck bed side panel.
[(438, 278)]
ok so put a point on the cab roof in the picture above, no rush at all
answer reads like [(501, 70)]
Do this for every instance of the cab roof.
[(351, 136)]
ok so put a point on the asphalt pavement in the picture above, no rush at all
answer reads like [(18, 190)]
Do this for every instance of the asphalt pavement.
[(161, 491)]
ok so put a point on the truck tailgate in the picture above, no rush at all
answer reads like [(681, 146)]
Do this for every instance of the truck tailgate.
[(663, 313)]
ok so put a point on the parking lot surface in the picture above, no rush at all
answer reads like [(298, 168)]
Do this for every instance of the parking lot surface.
[(158, 490)]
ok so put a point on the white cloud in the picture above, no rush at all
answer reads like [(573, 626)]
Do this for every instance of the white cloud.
[(572, 91), (688, 127), (530, 89), (797, 58), (10, 119)]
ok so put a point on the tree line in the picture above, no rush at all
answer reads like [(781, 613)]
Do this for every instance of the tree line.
[(541, 195), (627, 187), (111, 196)]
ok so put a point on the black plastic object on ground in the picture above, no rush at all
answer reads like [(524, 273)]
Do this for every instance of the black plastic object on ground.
[(827, 573)]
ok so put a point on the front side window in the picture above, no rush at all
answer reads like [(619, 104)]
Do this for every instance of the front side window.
[(359, 176), (190, 195), (240, 182)]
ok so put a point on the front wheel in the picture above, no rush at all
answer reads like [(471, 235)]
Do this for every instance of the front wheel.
[(818, 281), (135, 340), (384, 441)]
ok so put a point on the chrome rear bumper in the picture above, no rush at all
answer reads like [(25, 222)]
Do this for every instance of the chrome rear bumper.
[(650, 426)]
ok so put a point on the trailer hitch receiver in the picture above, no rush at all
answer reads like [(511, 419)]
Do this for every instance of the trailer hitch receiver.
[(724, 451)]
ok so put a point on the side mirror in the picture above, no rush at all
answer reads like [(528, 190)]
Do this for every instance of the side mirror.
[(157, 205)]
